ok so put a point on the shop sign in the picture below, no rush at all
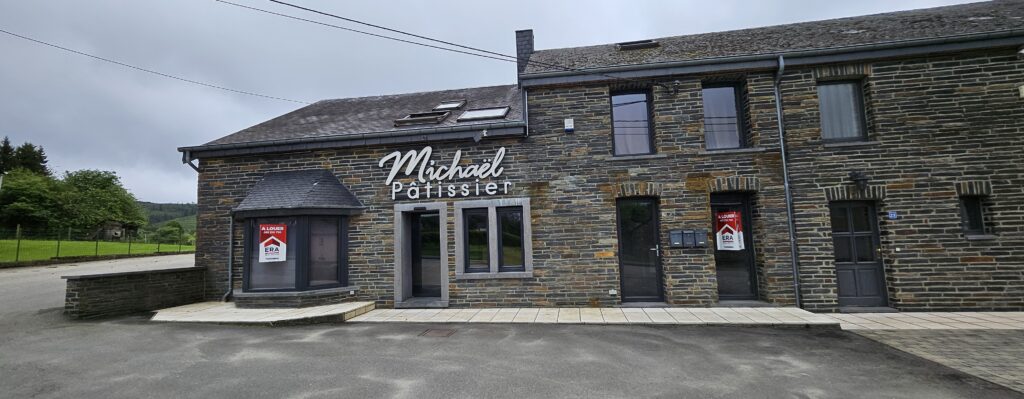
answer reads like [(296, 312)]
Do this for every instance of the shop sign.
[(273, 242), (729, 231), (435, 179)]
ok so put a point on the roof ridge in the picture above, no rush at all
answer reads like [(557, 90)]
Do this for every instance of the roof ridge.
[(413, 93), (889, 13)]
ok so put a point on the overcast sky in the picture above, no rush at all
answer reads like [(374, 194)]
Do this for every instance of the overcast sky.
[(88, 114)]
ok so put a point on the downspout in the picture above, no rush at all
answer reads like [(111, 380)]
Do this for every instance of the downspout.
[(186, 158), (231, 254), (785, 182), (526, 112)]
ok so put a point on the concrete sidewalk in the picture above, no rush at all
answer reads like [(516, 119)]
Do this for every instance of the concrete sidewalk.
[(679, 316), (931, 321)]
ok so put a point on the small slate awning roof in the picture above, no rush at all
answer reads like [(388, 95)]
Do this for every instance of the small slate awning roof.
[(298, 192)]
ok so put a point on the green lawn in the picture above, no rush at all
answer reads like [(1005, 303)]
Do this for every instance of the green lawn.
[(46, 249)]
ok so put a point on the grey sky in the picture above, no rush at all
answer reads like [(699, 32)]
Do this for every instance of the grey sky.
[(93, 115)]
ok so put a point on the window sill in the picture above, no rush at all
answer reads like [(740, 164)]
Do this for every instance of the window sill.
[(844, 144), (744, 150), (634, 157), (980, 237), (487, 276)]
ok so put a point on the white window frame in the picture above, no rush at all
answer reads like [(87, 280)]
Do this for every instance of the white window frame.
[(492, 206)]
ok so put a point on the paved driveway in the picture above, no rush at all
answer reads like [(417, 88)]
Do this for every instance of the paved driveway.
[(44, 355)]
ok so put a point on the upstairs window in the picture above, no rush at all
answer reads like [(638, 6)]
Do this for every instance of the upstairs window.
[(841, 104), (631, 123), (723, 120)]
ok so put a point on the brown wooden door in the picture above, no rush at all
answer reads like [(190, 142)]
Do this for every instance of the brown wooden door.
[(859, 271)]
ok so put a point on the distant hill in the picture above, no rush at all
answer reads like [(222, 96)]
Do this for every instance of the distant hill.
[(160, 213)]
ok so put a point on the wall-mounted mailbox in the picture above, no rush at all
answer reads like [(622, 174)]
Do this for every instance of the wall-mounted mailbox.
[(675, 238), (701, 238), (688, 238)]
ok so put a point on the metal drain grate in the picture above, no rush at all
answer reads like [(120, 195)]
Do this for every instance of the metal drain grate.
[(439, 332)]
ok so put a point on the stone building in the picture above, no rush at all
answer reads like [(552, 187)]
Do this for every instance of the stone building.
[(651, 171)]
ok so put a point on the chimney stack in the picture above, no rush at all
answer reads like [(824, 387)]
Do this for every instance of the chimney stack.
[(524, 47)]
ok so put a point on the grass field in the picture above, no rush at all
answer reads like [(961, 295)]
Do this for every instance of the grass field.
[(46, 249)]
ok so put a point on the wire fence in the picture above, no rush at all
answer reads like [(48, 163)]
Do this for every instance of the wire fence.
[(25, 245)]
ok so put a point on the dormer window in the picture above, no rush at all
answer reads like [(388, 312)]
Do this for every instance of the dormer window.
[(637, 45), (450, 105), (419, 118), (483, 113)]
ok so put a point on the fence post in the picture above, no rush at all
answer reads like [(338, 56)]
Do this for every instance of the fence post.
[(97, 245), (179, 244), (157, 246), (58, 245), (17, 248), (129, 243)]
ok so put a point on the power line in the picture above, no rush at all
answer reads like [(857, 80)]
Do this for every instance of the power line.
[(195, 82), (358, 31), (492, 54)]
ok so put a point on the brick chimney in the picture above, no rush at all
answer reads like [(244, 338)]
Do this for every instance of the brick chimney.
[(524, 47)]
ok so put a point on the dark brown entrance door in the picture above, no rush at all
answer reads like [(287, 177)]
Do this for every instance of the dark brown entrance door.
[(426, 255), (639, 250), (858, 267), (735, 266)]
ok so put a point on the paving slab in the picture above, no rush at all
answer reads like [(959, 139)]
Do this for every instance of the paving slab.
[(227, 313)]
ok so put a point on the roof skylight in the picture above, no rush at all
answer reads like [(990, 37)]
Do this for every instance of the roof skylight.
[(483, 113), (636, 45), (450, 105), (422, 118)]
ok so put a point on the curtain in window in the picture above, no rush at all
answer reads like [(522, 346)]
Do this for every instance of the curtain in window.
[(841, 111), (721, 122), (631, 124)]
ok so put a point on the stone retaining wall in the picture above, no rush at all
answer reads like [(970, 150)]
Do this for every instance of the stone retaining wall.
[(300, 299), (116, 294)]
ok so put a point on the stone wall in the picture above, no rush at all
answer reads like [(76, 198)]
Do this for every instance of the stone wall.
[(298, 299), (933, 123), (116, 294)]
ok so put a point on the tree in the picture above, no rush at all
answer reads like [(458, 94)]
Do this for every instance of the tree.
[(31, 200), (94, 197), (170, 233), (6, 155), (31, 157)]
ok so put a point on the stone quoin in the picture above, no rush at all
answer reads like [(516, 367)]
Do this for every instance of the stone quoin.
[(865, 162)]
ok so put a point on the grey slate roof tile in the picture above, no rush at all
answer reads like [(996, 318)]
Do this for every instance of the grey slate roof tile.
[(300, 189), (835, 33), (354, 116)]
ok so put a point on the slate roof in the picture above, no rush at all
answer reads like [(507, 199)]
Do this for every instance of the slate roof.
[(300, 189), (975, 18), (354, 116)]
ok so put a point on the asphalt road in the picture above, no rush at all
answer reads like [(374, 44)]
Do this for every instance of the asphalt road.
[(44, 355)]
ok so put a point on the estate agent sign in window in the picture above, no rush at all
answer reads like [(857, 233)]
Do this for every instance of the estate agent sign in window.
[(273, 242), (729, 231)]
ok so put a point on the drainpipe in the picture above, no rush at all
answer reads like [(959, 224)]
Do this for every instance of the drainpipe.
[(231, 253), (785, 182)]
